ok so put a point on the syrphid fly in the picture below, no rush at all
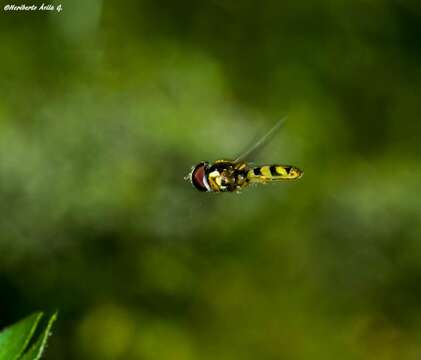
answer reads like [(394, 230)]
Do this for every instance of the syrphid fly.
[(234, 175)]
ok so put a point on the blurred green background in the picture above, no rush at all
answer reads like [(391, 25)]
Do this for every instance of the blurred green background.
[(104, 108)]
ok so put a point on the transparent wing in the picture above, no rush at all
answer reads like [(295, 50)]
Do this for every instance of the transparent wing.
[(257, 146)]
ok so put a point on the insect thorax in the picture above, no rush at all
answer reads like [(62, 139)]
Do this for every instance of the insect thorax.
[(227, 176)]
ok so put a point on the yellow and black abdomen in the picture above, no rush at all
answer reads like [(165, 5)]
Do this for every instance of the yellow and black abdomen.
[(268, 173)]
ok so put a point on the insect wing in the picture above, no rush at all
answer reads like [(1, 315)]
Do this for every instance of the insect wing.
[(264, 140)]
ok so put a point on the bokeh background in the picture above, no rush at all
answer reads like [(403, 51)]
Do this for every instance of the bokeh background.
[(104, 108)]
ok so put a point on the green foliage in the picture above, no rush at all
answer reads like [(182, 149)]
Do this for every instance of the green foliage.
[(15, 340)]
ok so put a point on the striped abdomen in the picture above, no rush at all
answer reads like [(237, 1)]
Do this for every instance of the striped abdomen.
[(269, 173)]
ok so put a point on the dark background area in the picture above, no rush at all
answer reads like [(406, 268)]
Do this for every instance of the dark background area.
[(105, 106)]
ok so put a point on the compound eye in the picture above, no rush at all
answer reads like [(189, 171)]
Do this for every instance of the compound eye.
[(198, 177)]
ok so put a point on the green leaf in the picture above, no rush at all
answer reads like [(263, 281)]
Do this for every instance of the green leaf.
[(35, 352), (15, 339)]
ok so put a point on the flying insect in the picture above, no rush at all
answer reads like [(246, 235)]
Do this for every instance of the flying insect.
[(234, 175)]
